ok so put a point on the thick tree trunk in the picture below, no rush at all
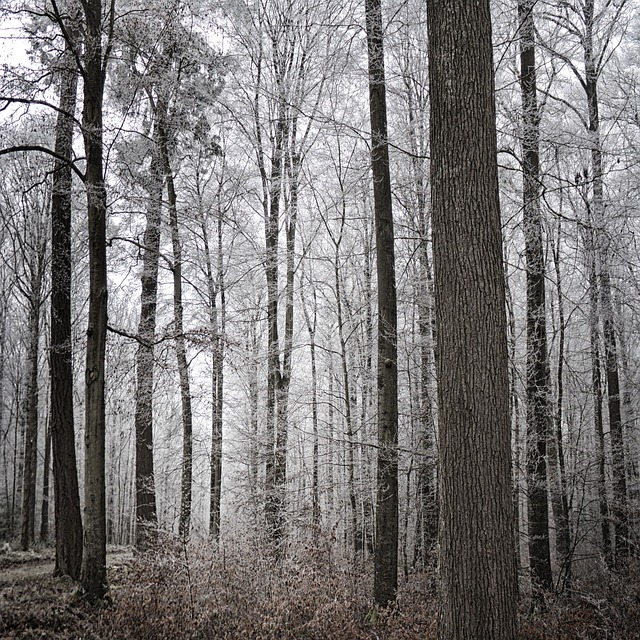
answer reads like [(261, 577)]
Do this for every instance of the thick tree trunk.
[(478, 582), (386, 550), (94, 570), (538, 373), (68, 520), (146, 516)]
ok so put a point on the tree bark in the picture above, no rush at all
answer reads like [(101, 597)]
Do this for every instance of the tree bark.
[(44, 511), (68, 518), (146, 515), (478, 582), (94, 570), (184, 525), (538, 373), (386, 548), (31, 401)]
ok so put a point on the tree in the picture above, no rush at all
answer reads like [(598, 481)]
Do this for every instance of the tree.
[(68, 519), (386, 549), (478, 586), (146, 516), (93, 69), (538, 372)]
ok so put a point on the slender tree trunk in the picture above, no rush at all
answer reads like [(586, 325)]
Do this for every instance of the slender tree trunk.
[(563, 527), (216, 322), (181, 349), (94, 570), (146, 515), (27, 535), (386, 551), (274, 492), (478, 581), (596, 390), (68, 520), (352, 526), (619, 510), (44, 512), (315, 492), (538, 374)]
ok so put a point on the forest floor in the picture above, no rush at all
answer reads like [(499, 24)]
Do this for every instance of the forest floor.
[(192, 591)]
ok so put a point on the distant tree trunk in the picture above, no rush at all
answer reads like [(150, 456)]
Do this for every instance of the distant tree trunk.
[(597, 393), (94, 570), (253, 349), (217, 328), (479, 593), (619, 510), (44, 512), (36, 267), (538, 374), (386, 550), (352, 526), (146, 516), (274, 492), (562, 520), (181, 349), (311, 322), (68, 519)]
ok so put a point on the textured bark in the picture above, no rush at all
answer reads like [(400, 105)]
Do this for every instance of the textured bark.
[(68, 519), (538, 379), (478, 585), (274, 505), (146, 515), (94, 571), (386, 548)]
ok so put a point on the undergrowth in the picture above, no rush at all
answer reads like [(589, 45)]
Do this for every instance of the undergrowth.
[(196, 591)]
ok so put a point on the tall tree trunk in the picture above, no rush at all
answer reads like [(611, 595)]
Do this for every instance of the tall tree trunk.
[(44, 512), (563, 527), (351, 527), (216, 327), (538, 374), (94, 570), (311, 322), (274, 492), (619, 509), (181, 349), (596, 391), (68, 519), (478, 597), (386, 550), (146, 515), (27, 532)]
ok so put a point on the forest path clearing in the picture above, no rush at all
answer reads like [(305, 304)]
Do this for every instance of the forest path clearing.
[(38, 566)]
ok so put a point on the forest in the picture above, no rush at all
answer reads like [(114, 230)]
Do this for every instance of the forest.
[(320, 319)]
